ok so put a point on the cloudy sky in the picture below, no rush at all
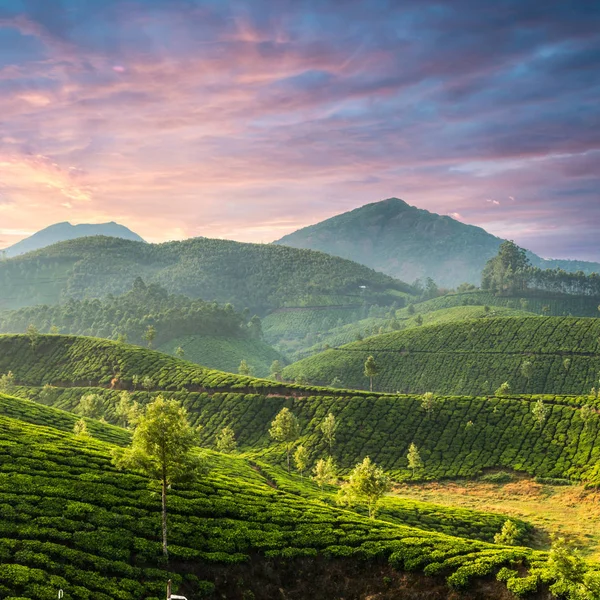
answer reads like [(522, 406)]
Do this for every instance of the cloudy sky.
[(248, 120)]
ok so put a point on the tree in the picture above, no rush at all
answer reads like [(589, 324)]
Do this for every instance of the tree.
[(162, 449), (225, 440), (586, 412), (486, 309), (366, 485), (80, 428), (122, 338), (7, 383), (527, 369), (285, 429), (508, 271), (324, 472), (539, 411), (336, 382), (565, 562), (509, 535), (135, 381), (301, 459), (34, 336), (428, 402), (567, 364), (255, 328), (328, 428), (414, 459), (419, 320), (371, 370), (410, 309), (149, 335), (54, 330), (245, 369), (90, 406), (276, 370), (179, 352), (123, 408), (503, 390), (147, 383)]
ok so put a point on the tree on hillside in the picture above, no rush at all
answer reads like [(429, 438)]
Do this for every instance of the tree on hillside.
[(149, 335), (328, 428), (80, 429), (285, 429), (122, 338), (245, 369), (324, 472), (410, 309), (33, 334), (147, 383), (371, 370), (90, 406), (276, 370), (179, 352), (162, 449), (506, 272), (301, 459), (419, 320), (7, 383), (428, 402), (414, 459), (367, 484), (123, 408), (539, 411), (527, 369), (509, 535), (336, 382), (225, 440), (255, 328), (503, 390)]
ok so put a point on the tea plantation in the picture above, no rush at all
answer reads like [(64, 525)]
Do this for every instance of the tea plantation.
[(71, 521), (470, 357)]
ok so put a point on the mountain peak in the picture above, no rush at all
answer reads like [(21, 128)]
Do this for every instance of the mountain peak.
[(60, 232)]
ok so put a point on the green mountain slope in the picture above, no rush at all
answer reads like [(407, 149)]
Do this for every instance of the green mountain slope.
[(346, 334), (248, 275), (225, 354), (61, 232), (409, 243), (470, 357), (460, 437), (71, 521)]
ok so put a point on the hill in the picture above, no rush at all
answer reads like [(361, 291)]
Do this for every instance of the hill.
[(61, 232), (80, 525), (255, 276), (409, 243), (400, 321), (470, 357), (225, 353), (503, 432)]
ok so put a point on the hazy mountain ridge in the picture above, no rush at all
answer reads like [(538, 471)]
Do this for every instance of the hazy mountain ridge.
[(409, 243), (61, 232)]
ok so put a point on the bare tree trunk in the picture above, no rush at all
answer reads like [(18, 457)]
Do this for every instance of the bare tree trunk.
[(371, 382), (164, 517), (288, 459)]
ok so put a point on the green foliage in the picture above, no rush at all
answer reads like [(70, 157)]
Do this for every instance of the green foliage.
[(503, 390), (285, 429), (328, 428), (90, 406), (371, 370), (248, 275), (366, 484), (225, 441), (162, 449), (7, 383), (301, 459), (245, 369), (414, 458), (324, 472), (539, 411), (458, 358), (509, 536), (80, 428)]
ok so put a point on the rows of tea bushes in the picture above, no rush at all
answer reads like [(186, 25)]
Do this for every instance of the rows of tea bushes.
[(49, 416), (461, 522), (70, 521), (540, 304), (470, 357), (460, 438)]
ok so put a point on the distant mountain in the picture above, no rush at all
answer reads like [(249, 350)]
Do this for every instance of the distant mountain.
[(258, 276), (409, 243), (61, 232)]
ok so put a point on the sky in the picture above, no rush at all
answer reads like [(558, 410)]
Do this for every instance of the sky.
[(249, 120)]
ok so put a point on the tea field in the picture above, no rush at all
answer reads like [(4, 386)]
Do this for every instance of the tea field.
[(470, 357), (71, 521)]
